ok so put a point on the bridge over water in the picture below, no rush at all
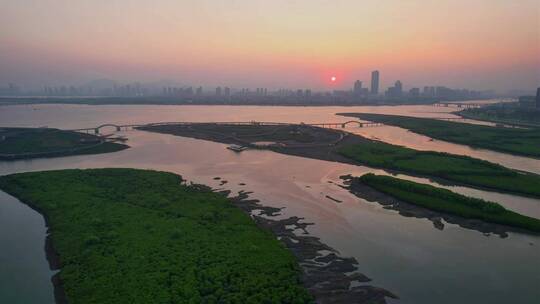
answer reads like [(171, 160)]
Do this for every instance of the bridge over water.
[(336, 125), (120, 127), (459, 105)]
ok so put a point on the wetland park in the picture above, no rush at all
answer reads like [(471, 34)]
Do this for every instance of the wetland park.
[(265, 224)]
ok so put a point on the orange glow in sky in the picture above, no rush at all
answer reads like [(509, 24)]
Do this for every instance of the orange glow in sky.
[(479, 44)]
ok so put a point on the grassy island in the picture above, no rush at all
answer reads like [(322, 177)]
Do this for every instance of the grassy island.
[(333, 145), (443, 200), (456, 168), (19, 143), (511, 114), (137, 236), (524, 142)]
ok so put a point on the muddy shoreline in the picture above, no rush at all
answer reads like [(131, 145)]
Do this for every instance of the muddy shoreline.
[(359, 189), (328, 276), (327, 152), (317, 151), (52, 256)]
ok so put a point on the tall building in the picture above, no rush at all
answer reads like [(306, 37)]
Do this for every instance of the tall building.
[(538, 98), (357, 89), (218, 91), (399, 88), (396, 90), (429, 91), (375, 82)]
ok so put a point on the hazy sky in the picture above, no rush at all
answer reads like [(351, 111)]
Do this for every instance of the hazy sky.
[(484, 44)]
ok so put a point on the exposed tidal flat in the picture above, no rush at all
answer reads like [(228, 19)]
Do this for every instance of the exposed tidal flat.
[(128, 236), (135, 236), (403, 254), (334, 145)]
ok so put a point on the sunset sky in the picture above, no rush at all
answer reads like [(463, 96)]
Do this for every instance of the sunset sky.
[(478, 44)]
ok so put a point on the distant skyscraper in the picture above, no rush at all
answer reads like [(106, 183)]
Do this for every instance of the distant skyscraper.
[(414, 92), (227, 91), (218, 91), (538, 98), (399, 88), (357, 89), (375, 82), (396, 90)]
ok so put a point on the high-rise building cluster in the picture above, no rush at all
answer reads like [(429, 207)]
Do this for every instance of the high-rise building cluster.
[(397, 92), (359, 93)]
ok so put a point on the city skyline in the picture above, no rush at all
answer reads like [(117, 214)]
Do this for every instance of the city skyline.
[(58, 42), (107, 87), (371, 81)]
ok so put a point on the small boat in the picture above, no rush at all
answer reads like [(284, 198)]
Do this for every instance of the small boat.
[(236, 148)]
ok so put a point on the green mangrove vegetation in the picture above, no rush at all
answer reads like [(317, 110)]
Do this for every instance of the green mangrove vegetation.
[(17, 143), (446, 201), (517, 141), (455, 168), (137, 236), (512, 114)]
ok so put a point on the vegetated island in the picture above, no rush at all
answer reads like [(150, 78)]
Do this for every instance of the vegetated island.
[(335, 145), (505, 113), (455, 208), (24, 143), (517, 141), (138, 236)]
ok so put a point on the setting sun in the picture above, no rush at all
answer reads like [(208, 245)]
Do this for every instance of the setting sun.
[(213, 151)]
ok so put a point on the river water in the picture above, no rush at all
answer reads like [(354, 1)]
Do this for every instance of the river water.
[(407, 256)]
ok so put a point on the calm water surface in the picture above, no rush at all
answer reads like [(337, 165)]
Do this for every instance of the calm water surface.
[(405, 255)]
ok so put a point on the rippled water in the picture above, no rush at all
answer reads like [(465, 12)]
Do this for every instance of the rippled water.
[(405, 255)]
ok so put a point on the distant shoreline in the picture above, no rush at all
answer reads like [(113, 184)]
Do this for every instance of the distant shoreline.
[(232, 101)]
